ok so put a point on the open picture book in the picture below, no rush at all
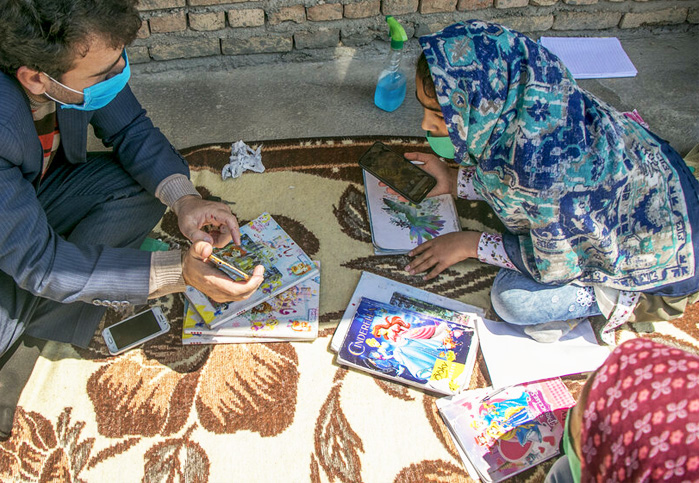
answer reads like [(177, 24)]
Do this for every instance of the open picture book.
[(399, 226), (501, 433), (263, 242)]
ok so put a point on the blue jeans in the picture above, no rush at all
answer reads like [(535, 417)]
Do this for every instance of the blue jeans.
[(519, 300), (95, 203)]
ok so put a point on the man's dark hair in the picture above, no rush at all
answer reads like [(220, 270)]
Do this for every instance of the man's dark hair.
[(423, 74), (48, 35)]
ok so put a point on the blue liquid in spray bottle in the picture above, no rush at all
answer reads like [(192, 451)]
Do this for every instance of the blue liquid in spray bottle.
[(390, 88)]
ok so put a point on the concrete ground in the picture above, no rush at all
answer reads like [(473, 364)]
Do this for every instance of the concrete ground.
[(335, 98)]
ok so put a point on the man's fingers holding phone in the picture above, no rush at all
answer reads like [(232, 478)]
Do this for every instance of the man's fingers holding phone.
[(205, 277)]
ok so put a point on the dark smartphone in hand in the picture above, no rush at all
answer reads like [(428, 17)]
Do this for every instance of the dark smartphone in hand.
[(397, 172)]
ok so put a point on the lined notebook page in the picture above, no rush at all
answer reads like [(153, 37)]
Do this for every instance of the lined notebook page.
[(591, 57)]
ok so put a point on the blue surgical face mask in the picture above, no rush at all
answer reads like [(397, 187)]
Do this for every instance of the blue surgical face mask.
[(99, 95), (441, 145)]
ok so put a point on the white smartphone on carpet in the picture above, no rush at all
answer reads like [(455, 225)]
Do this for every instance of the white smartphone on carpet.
[(135, 330)]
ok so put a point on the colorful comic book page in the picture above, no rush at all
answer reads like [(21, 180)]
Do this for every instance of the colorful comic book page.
[(383, 289), (291, 315), (399, 226), (191, 319), (507, 431), (263, 242), (408, 347)]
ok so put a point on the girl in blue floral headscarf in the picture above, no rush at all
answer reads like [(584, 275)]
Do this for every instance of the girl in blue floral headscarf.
[(601, 215)]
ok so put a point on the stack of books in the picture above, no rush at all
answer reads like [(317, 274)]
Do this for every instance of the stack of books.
[(399, 226), (504, 432), (284, 307), (408, 335)]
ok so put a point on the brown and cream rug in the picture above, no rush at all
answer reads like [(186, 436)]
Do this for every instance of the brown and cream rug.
[(281, 412)]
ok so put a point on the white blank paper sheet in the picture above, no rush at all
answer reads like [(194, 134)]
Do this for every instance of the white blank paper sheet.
[(514, 358), (591, 57)]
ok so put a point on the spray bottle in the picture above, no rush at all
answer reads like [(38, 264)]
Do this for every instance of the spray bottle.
[(390, 88)]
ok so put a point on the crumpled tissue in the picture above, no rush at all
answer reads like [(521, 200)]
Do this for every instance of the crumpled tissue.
[(243, 157)]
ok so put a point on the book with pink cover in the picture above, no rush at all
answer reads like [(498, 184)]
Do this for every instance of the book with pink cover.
[(507, 431)]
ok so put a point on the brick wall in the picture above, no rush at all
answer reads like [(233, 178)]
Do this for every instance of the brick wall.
[(272, 30)]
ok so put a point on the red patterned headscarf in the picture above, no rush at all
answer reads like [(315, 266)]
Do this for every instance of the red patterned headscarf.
[(641, 419)]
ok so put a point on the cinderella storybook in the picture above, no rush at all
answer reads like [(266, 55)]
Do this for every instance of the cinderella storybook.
[(409, 347)]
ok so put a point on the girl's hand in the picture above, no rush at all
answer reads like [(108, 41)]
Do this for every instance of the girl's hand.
[(446, 176), (440, 253)]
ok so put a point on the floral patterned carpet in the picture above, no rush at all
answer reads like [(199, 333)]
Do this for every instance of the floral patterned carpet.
[(262, 412)]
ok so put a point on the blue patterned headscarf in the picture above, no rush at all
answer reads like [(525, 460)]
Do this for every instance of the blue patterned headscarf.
[(589, 193)]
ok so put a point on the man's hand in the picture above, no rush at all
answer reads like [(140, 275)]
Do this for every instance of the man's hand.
[(193, 214), (442, 252), (208, 279)]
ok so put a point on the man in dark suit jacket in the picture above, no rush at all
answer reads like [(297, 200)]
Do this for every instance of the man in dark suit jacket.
[(71, 222)]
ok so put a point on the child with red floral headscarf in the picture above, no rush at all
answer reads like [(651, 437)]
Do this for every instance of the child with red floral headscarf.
[(637, 419)]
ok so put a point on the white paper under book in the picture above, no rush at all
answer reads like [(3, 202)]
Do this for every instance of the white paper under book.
[(512, 357), (397, 226), (263, 242)]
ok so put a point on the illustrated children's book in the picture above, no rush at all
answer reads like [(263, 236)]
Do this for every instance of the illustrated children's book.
[(399, 226), (399, 294), (263, 242), (410, 347), (291, 315), (191, 319), (507, 431)]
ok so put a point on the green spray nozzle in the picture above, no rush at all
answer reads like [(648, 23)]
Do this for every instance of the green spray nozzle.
[(398, 35)]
